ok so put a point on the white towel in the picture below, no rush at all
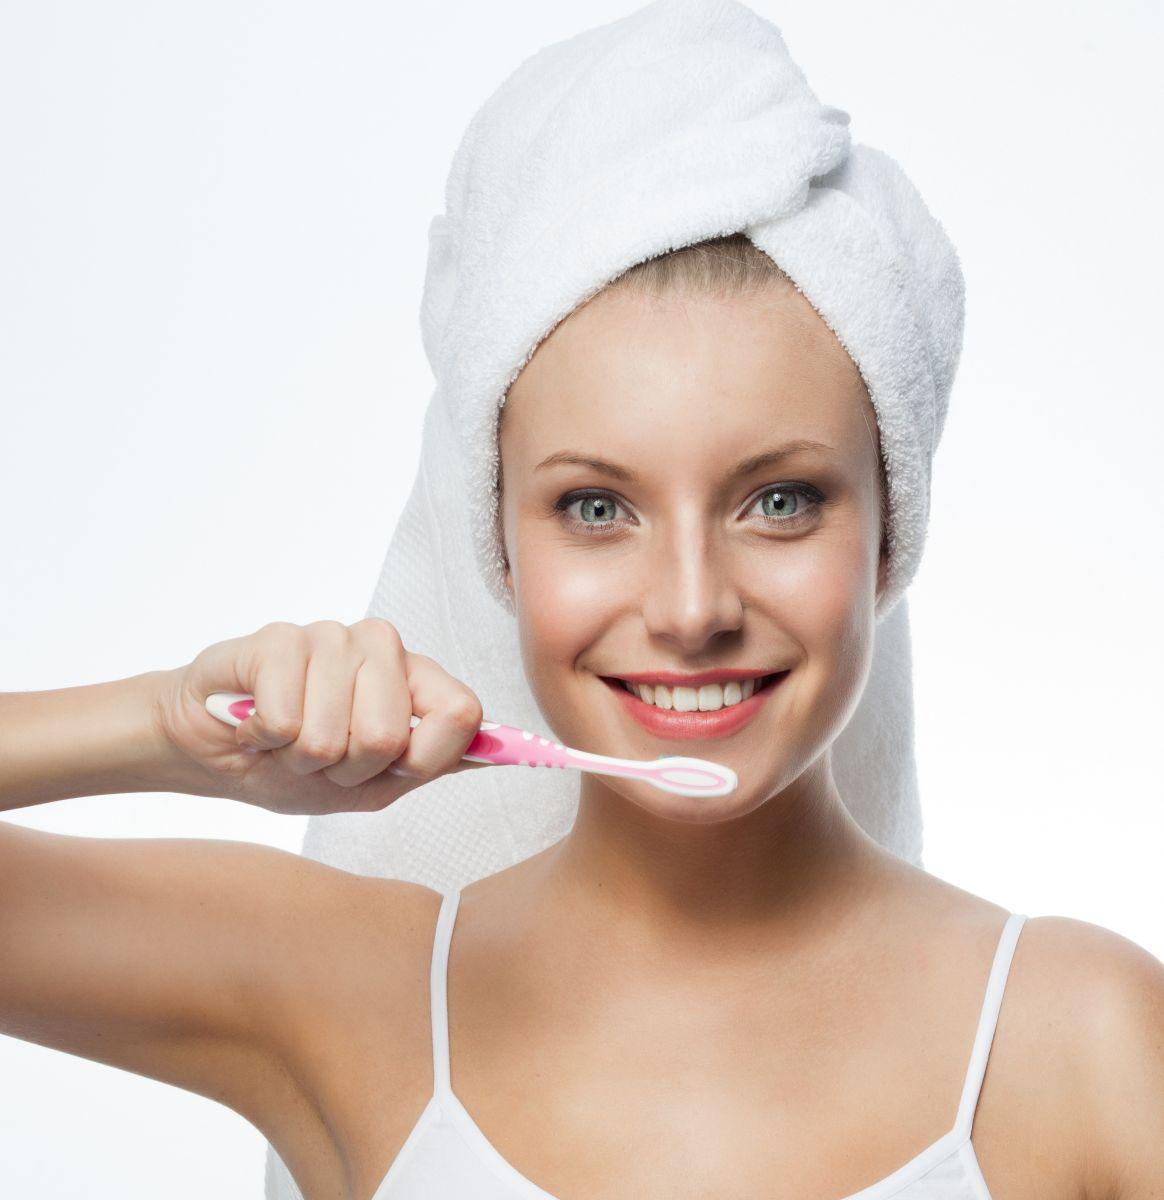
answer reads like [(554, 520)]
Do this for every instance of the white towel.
[(684, 120)]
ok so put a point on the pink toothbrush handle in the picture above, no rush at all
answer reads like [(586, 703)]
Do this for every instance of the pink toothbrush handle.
[(506, 745), (501, 745), (498, 744)]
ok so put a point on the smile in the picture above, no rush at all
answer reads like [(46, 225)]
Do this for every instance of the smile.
[(695, 723)]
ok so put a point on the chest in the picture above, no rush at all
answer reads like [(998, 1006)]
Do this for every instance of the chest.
[(589, 1097)]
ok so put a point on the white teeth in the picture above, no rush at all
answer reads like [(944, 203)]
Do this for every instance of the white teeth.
[(706, 698)]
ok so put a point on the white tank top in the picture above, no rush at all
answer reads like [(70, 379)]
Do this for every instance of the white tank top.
[(447, 1157)]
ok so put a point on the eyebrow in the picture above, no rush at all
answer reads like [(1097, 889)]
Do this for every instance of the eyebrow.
[(766, 458)]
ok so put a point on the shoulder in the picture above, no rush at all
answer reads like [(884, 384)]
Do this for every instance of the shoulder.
[(410, 909), (368, 921), (322, 902), (335, 938), (1101, 1012), (1107, 982)]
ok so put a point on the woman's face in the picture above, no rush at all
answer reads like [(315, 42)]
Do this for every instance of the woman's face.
[(677, 561)]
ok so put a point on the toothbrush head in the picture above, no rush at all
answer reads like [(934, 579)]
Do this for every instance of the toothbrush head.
[(691, 776)]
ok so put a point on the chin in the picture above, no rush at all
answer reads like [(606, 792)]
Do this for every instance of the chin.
[(691, 810)]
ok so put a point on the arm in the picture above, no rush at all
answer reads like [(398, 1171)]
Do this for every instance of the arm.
[(95, 740), (159, 956), (1123, 1077), (189, 961)]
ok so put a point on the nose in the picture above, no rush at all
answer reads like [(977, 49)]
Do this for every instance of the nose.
[(689, 597)]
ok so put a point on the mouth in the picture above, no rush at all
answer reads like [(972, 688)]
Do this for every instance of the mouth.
[(712, 723)]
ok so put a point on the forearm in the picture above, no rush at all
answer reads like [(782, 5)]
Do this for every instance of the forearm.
[(94, 740)]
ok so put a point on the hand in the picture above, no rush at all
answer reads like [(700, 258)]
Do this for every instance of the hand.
[(331, 731)]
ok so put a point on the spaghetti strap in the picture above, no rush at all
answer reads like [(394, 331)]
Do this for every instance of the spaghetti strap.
[(987, 1022), (438, 993)]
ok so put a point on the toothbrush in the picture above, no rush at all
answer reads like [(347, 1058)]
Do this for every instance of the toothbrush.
[(506, 745)]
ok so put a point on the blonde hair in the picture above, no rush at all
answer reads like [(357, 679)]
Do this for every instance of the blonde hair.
[(722, 266)]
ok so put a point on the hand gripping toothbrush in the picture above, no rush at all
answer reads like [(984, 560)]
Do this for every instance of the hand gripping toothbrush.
[(506, 745)]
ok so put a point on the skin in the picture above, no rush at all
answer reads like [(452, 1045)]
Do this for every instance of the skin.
[(674, 897), (769, 907), (691, 575), (679, 998)]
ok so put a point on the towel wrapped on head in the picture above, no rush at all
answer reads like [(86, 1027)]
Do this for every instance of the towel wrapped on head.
[(682, 121)]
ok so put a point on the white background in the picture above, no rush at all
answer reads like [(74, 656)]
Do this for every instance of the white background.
[(212, 231)]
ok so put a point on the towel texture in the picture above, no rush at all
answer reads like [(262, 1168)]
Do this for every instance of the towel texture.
[(684, 120)]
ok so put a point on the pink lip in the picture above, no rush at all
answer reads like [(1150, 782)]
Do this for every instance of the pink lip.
[(667, 723)]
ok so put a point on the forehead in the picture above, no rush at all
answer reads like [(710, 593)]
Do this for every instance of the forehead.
[(686, 375)]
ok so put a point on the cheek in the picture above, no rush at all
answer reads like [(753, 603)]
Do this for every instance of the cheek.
[(831, 593), (562, 613), (813, 585), (834, 623), (562, 604), (819, 594)]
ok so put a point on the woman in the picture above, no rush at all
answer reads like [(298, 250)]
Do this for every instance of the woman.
[(744, 996)]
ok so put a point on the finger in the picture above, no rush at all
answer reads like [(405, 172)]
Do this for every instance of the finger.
[(381, 710), (329, 685), (450, 718), (276, 682)]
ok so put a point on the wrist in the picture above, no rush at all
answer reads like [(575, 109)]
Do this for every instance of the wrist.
[(118, 744), (159, 765), (137, 754), (93, 740)]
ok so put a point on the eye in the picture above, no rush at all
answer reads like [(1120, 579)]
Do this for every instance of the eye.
[(792, 504), (600, 504)]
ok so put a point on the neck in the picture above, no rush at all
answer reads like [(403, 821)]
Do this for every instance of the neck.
[(795, 865)]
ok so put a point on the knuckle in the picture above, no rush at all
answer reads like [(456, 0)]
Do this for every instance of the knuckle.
[(331, 630), (283, 726), (464, 711), (319, 747), (380, 628), (422, 660), (386, 744), (281, 630)]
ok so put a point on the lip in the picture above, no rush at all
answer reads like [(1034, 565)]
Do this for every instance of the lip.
[(667, 723), (678, 679)]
